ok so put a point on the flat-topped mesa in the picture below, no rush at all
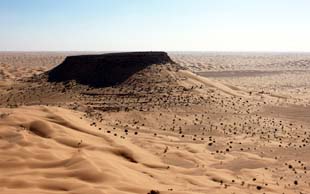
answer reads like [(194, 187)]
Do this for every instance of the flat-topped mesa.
[(106, 69)]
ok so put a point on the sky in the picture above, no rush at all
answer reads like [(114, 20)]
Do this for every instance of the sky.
[(169, 25)]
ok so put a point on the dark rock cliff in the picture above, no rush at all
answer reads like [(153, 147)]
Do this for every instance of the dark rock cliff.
[(106, 69)]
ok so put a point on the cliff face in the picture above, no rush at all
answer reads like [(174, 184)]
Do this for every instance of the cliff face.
[(106, 69)]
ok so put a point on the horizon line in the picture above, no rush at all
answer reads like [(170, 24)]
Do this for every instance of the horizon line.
[(168, 51)]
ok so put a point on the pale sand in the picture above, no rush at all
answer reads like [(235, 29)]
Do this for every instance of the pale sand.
[(240, 140)]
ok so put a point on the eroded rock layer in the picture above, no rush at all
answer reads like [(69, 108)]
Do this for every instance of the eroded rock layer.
[(106, 69)]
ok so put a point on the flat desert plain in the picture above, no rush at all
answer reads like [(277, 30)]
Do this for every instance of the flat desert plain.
[(220, 123)]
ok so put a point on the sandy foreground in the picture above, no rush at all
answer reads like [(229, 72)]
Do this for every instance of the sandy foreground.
[(230, 123)]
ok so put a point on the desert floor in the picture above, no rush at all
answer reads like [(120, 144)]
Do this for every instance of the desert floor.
[(229, 123)]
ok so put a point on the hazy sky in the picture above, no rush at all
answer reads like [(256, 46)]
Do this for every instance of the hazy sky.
[(171, 25)]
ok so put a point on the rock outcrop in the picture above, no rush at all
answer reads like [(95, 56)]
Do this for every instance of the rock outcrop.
[(106, 69)]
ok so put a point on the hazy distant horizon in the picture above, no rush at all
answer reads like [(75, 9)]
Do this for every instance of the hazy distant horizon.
[(168, 25), (174, 52)]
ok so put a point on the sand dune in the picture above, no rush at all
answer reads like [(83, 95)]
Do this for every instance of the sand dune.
[(211, 83), (48, 150)]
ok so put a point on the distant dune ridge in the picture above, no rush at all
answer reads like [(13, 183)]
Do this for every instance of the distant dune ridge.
[(106, 69)]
